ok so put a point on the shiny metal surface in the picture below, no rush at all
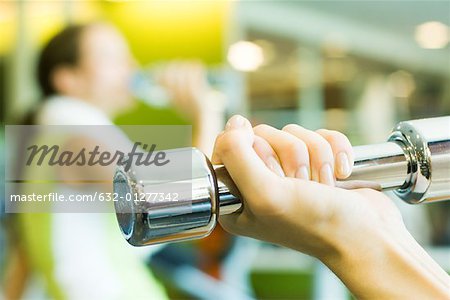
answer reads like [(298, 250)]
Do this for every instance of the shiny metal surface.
[(426, 143), (228, 194), (384, 163), (192, 215), (415, 163)]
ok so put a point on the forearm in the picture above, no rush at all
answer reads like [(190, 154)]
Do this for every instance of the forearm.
[(208, 123), (204, 131), (389, 266), (359, 234)]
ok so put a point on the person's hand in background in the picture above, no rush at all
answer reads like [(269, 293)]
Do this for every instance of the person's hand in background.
[(287, 178), (188, 86), (195, 99)]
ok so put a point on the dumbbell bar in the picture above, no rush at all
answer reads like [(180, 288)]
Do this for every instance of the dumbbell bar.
[(414, 163)]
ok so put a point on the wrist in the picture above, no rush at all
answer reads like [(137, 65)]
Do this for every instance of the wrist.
[(385, 263), (211, 103)]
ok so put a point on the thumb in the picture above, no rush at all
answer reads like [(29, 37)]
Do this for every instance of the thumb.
[(234, 149)]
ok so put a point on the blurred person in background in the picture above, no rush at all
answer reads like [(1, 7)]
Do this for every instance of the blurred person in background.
[(84, 73)]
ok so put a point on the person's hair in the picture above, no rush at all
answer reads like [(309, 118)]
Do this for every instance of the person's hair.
[(62, 49)]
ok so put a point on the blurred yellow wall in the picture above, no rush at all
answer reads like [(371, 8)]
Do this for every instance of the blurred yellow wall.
[(156, 30), (7, 26), (159, 30)]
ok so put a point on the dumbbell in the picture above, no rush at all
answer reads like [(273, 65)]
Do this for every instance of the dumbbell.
[(414, 163)]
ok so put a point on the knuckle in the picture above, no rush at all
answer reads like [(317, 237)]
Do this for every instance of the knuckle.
[(334, 136), (319, 144), (296, 148), (291, 127), (339, 136), (261, 128), (323, 131)]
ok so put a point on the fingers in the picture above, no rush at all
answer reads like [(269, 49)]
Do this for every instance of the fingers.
[(331, 152), (234, 148), (342, 152), (268, 155), (174, 80), (183, 78), (320, 153), (291, 151)]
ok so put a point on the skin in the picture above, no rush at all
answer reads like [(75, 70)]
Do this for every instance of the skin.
[(102, 76), (335, 227), (104, 71), (359, 234), (195, 99)]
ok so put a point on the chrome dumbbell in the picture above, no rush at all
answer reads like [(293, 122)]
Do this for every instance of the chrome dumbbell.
[(414, 163)]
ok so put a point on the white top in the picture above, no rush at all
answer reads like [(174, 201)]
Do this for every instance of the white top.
[(92, 261), (61, 110)]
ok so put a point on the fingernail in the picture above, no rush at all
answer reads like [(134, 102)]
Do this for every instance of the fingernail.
[(302, 173), (343, 164), (273, 164), (326, 175), (235, 122)]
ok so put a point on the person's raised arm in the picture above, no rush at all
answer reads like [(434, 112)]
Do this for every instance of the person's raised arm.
[(195, 100)]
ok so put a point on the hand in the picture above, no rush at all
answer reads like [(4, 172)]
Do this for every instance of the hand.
[(349, 230), (187, 83), (287, 179), (194, 99)]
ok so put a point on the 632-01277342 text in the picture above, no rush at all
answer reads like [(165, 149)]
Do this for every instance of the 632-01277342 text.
[(58, 197)]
